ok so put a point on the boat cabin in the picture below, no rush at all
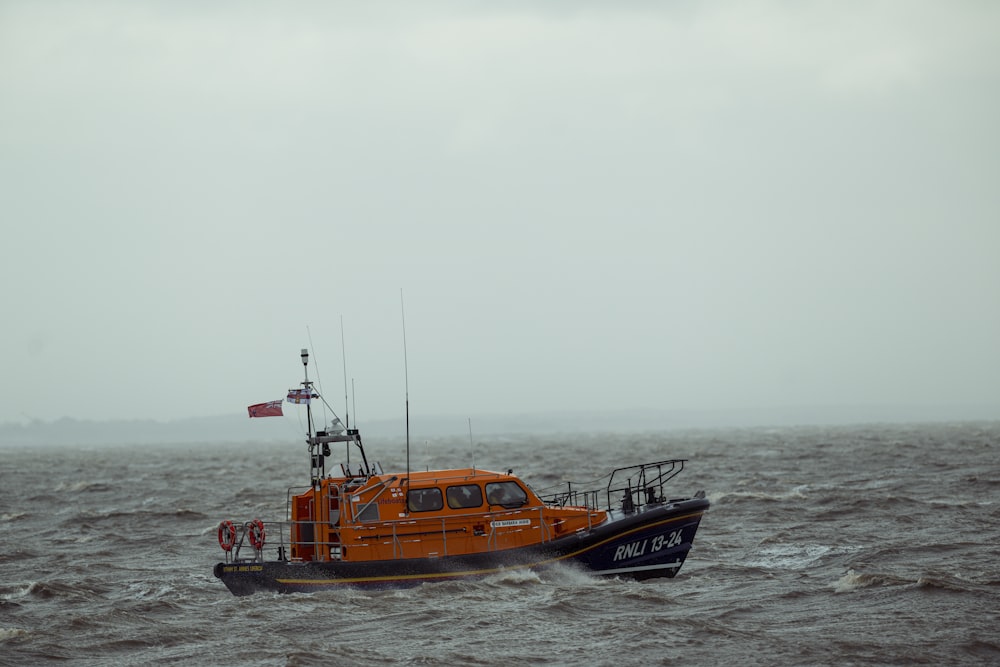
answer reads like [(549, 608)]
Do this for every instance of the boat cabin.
[(424, 514)]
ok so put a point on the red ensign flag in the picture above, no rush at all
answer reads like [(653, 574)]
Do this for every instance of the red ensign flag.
[(269, 409)]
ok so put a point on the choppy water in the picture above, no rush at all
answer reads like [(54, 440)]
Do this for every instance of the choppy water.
[(863, 545)]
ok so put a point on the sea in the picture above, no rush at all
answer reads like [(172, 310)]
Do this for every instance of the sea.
[(876, 544)]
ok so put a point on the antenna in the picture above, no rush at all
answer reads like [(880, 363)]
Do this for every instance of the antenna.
[(347, 410), (472, 447), (319, 381), (343, 353), (406, 379)]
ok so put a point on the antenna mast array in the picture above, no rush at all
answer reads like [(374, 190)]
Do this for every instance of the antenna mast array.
[(319, 444)]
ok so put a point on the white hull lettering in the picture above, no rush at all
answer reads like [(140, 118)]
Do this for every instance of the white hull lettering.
[(638, 548), (506, 523)]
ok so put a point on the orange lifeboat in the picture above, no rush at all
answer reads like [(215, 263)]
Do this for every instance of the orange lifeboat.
[(366, 527)]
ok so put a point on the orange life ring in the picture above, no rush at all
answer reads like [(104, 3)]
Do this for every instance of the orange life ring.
[(255, 532), (227, 535)]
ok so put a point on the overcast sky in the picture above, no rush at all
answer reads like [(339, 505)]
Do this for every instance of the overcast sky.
[(587, 205)]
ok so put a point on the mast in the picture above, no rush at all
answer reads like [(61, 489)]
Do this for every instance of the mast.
[(319, 442), (319, 448), (306, 383), (316, 462), (316, 458)]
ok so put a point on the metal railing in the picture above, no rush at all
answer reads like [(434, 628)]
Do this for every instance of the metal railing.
[(395, 531), (629, 488)]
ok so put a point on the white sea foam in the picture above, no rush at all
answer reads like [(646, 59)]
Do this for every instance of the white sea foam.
[(21, 591), (853, 581), (793, 556), (850, 582), (11, 633)]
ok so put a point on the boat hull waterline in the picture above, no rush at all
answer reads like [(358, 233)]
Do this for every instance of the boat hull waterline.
[(652, 542)]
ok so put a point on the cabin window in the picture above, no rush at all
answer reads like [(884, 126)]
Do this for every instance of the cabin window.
[(464, 496), (369, 512), (424, 500), (506, 494)]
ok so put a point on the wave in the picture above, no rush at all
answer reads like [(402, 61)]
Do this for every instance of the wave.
[(82, 486), (945, 583), (513, 578), (182, 513), (42, 590), (160, 593), (6, 634), (981, 649), (853, 581), (939, 583), (794, 556), (53, 590), (733, 497)]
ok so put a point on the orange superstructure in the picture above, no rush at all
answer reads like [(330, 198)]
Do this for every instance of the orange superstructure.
[(425, 514)]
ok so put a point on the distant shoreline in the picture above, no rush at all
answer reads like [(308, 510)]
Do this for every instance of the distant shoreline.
[(240, 429)]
